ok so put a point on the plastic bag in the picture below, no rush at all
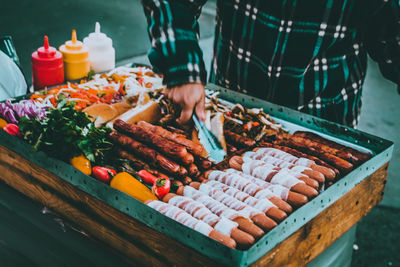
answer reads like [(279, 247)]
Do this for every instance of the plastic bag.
[(12, 81)]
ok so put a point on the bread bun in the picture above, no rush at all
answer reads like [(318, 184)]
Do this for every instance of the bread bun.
[(101, 113), (121, 107), (217, 128), (149, 112)]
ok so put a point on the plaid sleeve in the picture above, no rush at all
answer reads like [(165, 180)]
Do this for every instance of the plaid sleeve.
[(174, 33), (382, 39)]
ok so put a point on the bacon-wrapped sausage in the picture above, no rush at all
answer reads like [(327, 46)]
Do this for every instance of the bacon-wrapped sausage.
[(327, 170), (257, 216), (342, 165), (259, 189), (245, 224), (184, 218), (220, 224), (284, 160), (263, 205), (270, 173)]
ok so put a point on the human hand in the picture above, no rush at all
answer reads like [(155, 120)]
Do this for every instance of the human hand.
[(189, 97)]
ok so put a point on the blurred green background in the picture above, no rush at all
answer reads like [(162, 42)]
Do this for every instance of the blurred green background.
[(29, 237)]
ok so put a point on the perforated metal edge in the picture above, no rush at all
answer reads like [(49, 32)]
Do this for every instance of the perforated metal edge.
[(382, 149)]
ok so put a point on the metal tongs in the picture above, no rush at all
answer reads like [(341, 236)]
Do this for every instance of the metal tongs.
[(209, 141)]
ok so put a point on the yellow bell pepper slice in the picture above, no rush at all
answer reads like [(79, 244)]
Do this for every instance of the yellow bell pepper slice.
[(126, 183)]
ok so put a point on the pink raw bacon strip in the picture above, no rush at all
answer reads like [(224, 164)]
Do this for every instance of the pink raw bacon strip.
[(181, 216)]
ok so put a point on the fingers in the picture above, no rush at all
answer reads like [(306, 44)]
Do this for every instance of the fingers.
[(200, 109), (186, 114), (189, 98), (167, 92)]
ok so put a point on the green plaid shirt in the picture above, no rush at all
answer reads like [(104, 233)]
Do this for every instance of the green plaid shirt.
[(303, 54)]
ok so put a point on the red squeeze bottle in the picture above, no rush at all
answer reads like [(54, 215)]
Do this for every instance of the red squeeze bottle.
[(47, 66)]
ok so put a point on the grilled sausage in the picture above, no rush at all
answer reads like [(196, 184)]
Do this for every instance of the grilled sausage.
[(153, 157), (165, 146), (238, 140), (195, 149), (327, 149), (362, 157)]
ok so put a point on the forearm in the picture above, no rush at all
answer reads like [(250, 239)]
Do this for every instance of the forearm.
[(173, 30)]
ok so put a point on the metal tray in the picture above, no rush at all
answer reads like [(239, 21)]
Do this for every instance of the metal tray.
[(381, 148)]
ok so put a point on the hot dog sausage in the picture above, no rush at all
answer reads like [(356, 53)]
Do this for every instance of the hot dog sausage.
[(184, 218), (259, 189), (339, 153), (238, 140), (193, 170), (327, 170), (362, 157), (220, 224), (258, 217), (342, 165), (202, 163), (245, 224), (196, 149), (263, 171), (263, 205), (283, 159), (159, 143), (153, 157)]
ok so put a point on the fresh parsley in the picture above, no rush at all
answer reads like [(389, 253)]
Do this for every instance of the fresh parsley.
[(65, 133)]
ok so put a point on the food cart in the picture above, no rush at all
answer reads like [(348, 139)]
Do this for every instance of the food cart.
[(147, 237)]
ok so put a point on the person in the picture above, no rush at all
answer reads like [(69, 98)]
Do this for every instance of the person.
[(306, 55)]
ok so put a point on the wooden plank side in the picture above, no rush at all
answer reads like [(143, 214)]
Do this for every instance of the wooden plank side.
[(85, 211), (39, 193), (314, 237)]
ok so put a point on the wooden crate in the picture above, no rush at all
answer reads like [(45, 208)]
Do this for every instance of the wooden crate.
[(146, 246), (148, 238)]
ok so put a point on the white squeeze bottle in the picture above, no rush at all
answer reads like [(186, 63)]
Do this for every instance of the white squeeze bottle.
[(101, 51)]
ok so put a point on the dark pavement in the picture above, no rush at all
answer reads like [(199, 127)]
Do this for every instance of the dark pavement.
[(28, 237)]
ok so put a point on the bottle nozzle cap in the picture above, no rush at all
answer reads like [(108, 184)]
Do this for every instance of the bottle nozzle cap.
[(46, 51), (46, 42), (73, 37), (97, 38), (97, 28), (74, 44)]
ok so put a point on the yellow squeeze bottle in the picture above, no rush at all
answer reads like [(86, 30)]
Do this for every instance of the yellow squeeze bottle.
[(76, 58)]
